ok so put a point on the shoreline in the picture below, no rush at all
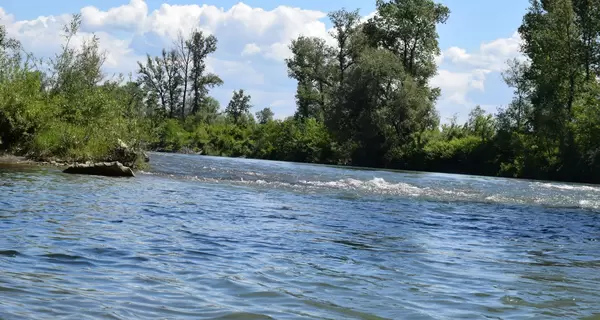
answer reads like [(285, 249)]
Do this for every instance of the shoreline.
[(102, 168), (11, 159)]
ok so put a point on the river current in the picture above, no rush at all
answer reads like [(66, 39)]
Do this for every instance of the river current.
[(196, 237)]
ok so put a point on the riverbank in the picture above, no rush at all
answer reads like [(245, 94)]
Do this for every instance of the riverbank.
[(11, 159), (114, 167)]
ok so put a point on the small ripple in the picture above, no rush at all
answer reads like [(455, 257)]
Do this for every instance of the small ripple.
[(14, 290), (261, 295), (559, 303), (200, 253), (9, 253), (243, 316), (282, 217), (62, 256)]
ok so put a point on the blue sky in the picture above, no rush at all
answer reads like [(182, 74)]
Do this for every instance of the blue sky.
[(477, 39)]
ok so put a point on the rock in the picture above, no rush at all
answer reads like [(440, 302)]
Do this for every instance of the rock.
[(109, 169), (127, 155)]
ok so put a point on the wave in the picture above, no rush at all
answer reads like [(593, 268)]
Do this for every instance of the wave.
[(379, 186), (591, 204), (567, 187)]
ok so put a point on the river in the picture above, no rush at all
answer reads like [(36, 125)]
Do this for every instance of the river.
[(197, 237)]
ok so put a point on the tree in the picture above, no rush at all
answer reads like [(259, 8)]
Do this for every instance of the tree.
[(184, 53), (239, 106), (310, 66), (72, 70), (209, 110), (551, 42), (132, 96), (7, 43), (518, 112), (2, 36), (588, 20), (173, 80), (153, 78), (9, 53), (408, 29), (200, 47), (265, 115), (481, 124), (345, 24)]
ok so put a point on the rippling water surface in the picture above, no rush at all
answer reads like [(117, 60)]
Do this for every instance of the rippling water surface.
[(209, 238)]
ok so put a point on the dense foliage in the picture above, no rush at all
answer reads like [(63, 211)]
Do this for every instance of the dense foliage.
[(366, 100), (62, 107)]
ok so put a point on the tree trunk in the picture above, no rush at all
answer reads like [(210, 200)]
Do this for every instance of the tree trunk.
[(185, 87)]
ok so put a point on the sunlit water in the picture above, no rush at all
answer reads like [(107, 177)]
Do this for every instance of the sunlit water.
[(210, 238)]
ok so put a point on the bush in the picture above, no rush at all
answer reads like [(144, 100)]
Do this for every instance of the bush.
[(172, 137)]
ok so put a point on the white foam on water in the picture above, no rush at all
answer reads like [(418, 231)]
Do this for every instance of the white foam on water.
[(252, 173), (383, 187), (589, 204), (377, 185), (567, 187)]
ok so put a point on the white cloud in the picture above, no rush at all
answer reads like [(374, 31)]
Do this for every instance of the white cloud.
[(270, 31), (243, 70), (491, 55), (456, 85), (250, 49), (129, 17), (462, 72), (368, 17), (5, 17)]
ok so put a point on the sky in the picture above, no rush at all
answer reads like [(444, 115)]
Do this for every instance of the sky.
[(476, 41)]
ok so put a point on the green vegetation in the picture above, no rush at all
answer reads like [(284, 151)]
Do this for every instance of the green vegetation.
[(61, 108), (365, 101)]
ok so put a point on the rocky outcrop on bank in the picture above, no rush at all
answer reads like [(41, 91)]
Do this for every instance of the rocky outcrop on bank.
[(120, 162), (108, 169), (127, 155)]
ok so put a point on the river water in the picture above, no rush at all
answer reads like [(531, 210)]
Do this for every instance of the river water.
[(214, 238)]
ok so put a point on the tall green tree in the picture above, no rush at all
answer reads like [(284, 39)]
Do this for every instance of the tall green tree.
[(74, 70), (153, 77), (345, 24), (588, 20), (239, 106), (551, 41), (517, 117), (310, 66), (408, 29), (265, 115), (184, 54), (174, 80), (201, 81)]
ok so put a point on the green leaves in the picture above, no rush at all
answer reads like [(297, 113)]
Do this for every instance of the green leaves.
[(168, 79), (408, 29), (265, 115), (239, 106), (200, 47), (371, 87)]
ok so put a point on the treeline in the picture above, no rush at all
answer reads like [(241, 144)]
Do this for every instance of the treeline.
[(364, 101)]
